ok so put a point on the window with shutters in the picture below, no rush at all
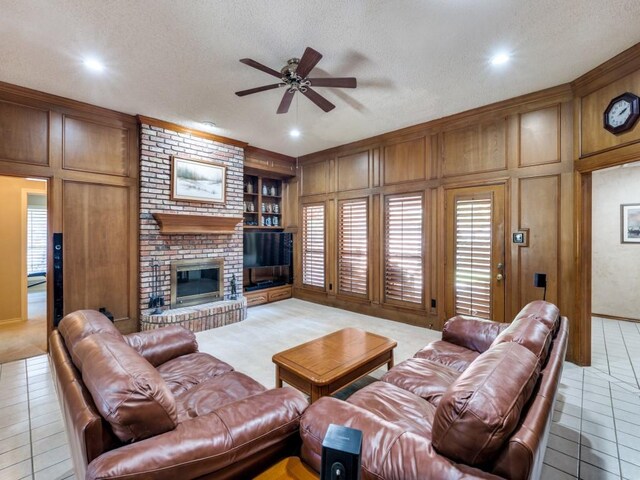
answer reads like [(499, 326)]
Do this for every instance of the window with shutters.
[(473, 256), (313, 250), (36, 240), (403, 252), (353, 247)]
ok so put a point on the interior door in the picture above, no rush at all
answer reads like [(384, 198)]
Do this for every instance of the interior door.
[(475, 252)]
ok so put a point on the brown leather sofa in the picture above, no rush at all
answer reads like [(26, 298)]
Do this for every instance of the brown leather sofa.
[(149, 405), (476, 404)]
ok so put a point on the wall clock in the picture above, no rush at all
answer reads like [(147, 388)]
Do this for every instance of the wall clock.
[(622, 113)]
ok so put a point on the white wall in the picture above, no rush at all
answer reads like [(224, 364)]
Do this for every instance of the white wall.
[(616, 266)]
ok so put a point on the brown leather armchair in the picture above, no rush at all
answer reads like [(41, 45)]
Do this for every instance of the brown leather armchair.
[(477, 404), (149, 405)]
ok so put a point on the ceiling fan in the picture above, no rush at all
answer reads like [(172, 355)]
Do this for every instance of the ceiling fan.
[(294, 77)]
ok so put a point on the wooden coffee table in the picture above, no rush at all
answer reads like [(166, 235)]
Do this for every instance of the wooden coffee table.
[(327, 364)]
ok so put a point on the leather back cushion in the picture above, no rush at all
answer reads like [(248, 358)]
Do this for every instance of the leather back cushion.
[(544, 312), (530, 333), (128, 392), (80, 324), (481, 409)]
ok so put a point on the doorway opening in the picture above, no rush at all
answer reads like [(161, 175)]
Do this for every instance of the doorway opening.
[(23, 278), (615, 283)]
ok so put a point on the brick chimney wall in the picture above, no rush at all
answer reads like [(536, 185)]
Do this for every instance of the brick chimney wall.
[(157, 146)]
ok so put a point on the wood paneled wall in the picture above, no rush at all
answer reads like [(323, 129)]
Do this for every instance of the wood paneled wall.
[(90, 157), (525, 144)]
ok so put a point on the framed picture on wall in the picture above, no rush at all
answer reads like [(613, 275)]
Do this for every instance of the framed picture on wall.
[(630, 223), (197, 181)]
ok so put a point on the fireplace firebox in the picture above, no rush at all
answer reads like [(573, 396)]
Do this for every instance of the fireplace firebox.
[(196, 281)]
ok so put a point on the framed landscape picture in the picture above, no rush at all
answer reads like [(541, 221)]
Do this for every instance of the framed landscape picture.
[(630, 223), (197, 181)]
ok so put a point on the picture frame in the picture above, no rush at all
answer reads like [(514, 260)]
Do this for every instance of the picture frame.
[(197, 181), (630, 223)]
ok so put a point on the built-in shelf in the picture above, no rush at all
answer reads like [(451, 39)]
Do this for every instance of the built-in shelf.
[(194, 224)]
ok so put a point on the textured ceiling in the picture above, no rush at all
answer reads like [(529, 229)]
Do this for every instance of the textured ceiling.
[(415, 60)]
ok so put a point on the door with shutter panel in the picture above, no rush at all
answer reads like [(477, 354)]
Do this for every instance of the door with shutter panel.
[(313, 245), (475, 252), (353, 239)]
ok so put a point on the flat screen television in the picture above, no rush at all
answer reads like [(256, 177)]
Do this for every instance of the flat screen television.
[(266, 249)]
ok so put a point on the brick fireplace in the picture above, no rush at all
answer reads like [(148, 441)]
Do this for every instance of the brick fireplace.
[(157, 145)]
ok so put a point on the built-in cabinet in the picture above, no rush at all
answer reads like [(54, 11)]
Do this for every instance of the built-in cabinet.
[(267, 195), (262, 202)]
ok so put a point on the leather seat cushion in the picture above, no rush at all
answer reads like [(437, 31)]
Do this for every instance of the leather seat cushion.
[(80, 324), (425, 378), (544, 312), (529, 333), (215, 393), (448, 354), (482, 408), (185, 372), (398, 406), (127, 391)]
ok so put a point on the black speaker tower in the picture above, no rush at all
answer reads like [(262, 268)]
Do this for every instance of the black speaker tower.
[(58, 299)]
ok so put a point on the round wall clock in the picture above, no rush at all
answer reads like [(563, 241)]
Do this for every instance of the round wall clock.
[(622, 113)]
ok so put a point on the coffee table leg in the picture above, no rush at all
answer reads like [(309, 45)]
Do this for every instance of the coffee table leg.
[(278, 379), (390, 362)]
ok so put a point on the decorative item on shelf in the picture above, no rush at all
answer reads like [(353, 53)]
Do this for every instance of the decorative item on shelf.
[(268, 208), (156, 300), (248, 187), (234, 287), (264, 208), (194, 180), (276, 208), (264, 221), (265, 190), (267, 221), (275, 221), (273, 191)]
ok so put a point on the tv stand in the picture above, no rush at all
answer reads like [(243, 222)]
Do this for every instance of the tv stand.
[(267, 294)]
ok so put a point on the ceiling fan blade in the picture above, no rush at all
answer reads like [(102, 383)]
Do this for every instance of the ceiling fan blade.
[(310, 59), (318, 99), (242, 93), (259, 66), (286, 101), (346, 82)]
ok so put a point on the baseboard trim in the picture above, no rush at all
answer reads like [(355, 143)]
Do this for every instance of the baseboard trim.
[(12, 320), (613, 317)]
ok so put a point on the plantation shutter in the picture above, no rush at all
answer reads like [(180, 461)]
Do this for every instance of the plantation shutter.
[(352, 247), (473, 257), (403, 255), (313, 245), (36, 239)]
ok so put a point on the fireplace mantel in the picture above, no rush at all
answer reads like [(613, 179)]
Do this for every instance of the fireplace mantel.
[(173, 223)]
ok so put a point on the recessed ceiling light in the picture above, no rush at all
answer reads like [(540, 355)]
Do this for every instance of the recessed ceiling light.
[(294, 133), (209, 124), (500, 59), (93, 64)]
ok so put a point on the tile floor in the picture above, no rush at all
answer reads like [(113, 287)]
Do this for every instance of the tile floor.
[(595, 433)]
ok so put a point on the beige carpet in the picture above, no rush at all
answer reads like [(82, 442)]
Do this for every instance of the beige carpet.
[(20, 340), (271, 328)]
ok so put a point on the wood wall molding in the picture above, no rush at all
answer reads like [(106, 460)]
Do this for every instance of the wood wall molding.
[(27, 96), (198, 133), (608, 72), (524, 103), (171, 223)]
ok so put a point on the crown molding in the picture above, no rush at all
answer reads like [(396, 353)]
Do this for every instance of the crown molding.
[(198, 133), (613, 69)]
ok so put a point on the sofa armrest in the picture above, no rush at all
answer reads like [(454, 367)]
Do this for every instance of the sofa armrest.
[(208, 443), (388, 450), (472, 332), (161, 345)]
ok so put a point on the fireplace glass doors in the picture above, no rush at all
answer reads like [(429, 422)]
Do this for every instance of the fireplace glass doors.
[(196, 281)]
